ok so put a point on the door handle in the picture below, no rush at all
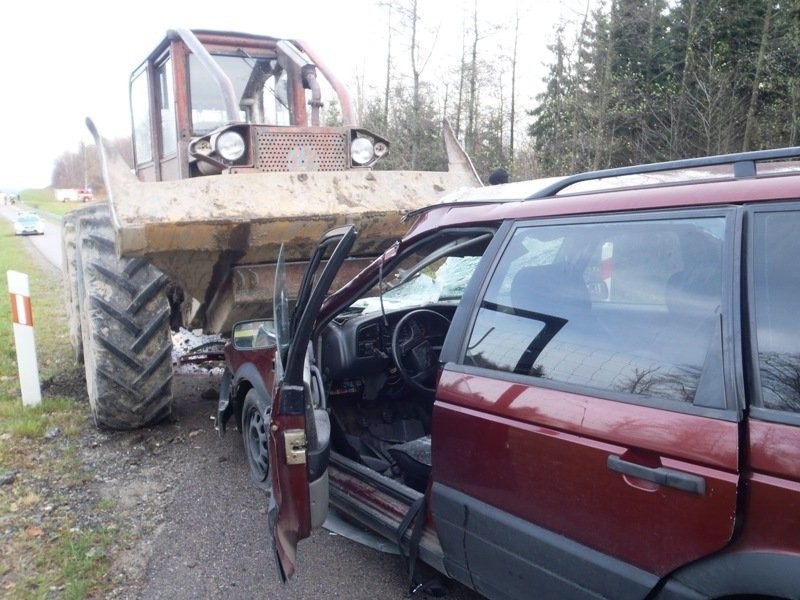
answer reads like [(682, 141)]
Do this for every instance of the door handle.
[(679, 480)]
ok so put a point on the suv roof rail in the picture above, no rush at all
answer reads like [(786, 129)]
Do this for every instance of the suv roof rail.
[(744, 165)]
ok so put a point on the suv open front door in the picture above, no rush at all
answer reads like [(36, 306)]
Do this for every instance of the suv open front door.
[(299, 443)]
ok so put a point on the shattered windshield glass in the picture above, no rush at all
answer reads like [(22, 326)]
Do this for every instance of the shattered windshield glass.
[(437, 274)]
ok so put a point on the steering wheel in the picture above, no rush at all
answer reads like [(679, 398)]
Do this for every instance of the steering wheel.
[(416, 342)]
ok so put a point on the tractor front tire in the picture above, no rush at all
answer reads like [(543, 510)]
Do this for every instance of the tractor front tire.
[(126, 339)]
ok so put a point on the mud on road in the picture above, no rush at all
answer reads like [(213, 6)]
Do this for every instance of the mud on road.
[(196, 527)]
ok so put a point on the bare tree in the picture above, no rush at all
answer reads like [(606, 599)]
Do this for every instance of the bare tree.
[(411, 25), (472, 99), (462, 73), (513, 111), (81, 168), (388, 85), (676, 129), (762, 51)]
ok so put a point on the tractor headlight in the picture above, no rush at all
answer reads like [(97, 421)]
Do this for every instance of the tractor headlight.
[(361, 150), (230, 145)]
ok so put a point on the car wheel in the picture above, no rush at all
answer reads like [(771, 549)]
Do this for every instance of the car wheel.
[(255, 424)]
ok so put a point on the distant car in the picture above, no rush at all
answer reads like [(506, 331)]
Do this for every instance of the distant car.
[(85, 195), (28, 224)]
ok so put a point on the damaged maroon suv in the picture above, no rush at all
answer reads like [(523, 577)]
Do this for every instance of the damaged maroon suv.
[(584, 387)]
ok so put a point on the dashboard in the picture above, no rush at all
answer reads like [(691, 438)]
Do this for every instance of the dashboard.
[(361, 345)]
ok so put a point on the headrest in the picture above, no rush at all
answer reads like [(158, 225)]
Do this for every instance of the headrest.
[(551, 289)]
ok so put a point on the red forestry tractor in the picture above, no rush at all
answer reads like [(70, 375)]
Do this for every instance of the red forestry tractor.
[(232, 160)]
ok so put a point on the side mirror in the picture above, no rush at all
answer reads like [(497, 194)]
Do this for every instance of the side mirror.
[(254, 335)]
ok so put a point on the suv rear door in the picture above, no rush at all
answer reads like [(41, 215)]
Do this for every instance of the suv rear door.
[(299, 442), (588, 389), (772, 522)]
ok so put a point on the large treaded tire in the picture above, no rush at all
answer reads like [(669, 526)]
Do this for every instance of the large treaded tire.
[(127, 344)]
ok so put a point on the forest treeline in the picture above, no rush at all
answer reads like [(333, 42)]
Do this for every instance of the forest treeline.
[(651, 80), (628, 82)]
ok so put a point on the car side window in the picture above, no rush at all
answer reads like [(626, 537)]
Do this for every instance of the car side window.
[(776, 293), (630, 307)]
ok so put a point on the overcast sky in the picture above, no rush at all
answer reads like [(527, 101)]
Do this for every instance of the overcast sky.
[(65, 61)]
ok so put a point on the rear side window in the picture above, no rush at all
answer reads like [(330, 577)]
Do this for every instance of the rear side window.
[(629, 307), (776, 289)]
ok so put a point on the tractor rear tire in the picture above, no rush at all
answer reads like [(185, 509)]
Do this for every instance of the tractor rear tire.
[(126, 339)]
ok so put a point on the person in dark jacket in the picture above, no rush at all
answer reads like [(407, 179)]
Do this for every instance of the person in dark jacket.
[(498, 176)]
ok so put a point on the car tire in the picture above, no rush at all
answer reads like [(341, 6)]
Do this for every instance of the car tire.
[(255, 435)]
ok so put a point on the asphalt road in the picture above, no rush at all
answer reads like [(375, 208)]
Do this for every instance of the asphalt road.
[(208, 536), (48, 244)]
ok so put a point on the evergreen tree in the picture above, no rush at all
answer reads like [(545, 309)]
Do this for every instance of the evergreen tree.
[(650, 80)]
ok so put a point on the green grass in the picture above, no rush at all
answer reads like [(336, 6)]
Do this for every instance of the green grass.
[(81, 555), (49, 314), (68, 569), (44, 201), (50, 557)]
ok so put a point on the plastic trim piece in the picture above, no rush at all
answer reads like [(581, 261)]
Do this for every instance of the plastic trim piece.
[(503, 556), (767, 574)]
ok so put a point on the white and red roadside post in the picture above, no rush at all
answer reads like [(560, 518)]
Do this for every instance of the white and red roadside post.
[(22, 317)]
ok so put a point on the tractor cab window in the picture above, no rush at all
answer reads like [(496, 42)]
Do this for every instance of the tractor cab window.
[(208, 102), (166, 105), (140, 113), (275, 100), (259, 84)]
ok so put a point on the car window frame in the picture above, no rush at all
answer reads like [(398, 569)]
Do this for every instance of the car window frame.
[(455, 346), (749, 344), (380, 269)]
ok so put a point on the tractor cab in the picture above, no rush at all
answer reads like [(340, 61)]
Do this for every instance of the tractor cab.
[(206, 103)]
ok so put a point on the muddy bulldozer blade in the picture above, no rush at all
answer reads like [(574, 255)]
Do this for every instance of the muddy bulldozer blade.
[(218, 236)]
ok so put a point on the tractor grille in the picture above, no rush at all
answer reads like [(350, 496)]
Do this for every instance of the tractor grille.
[(297, 150)]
